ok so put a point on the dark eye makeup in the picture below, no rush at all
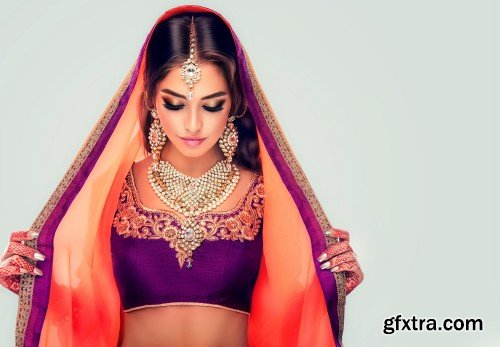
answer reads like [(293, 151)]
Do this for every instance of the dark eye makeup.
[(173, 107)]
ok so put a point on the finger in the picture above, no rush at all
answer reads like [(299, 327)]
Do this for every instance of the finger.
[(338, 259), (339, 233), (22, 250), (23, 235), (335, 249), (348, 266), (23, 263), (11, 270)]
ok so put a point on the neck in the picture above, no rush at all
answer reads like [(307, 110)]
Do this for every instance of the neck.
[(191, 166)]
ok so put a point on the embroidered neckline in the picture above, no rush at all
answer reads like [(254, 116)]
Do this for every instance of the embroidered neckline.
[(180, 217), (242, 222)]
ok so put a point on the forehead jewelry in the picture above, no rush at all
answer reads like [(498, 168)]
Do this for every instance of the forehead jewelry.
[(190, 71)]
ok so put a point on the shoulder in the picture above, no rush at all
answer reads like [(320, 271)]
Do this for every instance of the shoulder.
[(139, 179), (140, 168), (246, 174), (251, 182)]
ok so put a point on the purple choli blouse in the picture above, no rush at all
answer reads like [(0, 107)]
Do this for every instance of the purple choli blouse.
[(152, 267)]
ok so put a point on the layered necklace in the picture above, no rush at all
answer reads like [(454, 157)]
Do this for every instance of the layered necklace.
[(192, 196)]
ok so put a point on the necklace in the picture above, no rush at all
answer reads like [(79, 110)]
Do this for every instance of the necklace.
[(192, 196)]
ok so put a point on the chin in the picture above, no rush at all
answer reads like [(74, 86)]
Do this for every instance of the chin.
[(193, 154)]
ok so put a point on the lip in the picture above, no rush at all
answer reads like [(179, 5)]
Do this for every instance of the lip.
[(192, 141)]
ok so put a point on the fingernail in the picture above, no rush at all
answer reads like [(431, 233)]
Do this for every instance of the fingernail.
[(33, 234), (23, 270), (335, 268), (38, 271), (325, 265), (39, 256), (328, 233), (322, 257)]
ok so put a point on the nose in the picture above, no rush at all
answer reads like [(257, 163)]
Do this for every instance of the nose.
[(193, 122)]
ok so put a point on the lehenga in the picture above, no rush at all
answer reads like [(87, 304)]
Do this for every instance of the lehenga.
[(77, 302)]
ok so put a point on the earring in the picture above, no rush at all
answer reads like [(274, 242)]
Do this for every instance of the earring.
[(228, 142), (157, 138)]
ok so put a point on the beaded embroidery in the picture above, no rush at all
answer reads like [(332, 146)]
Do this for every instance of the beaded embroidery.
[(133, 219)]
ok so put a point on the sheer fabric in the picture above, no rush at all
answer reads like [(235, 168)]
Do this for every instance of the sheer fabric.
[(77, 302)]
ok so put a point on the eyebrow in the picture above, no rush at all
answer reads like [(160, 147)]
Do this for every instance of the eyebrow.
[(171, 92)]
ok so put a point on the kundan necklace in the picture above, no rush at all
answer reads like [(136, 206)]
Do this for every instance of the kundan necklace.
[(192, 196)]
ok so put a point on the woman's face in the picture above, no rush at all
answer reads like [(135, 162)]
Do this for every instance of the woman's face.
[(202, 117)]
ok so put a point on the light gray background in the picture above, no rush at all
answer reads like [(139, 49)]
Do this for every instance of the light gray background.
[(389, 106)]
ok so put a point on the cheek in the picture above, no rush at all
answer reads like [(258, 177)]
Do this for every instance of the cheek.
[(219, 127), (169, 124), (213, 125), (220, 123)]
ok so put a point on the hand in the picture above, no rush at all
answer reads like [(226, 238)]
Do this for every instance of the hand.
[(341, 257), (12, 262)]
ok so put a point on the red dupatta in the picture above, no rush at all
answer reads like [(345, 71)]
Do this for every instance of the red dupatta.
[(76, 302)]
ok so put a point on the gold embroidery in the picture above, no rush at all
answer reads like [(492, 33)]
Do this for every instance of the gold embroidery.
[(187, 303), (242, 222), (27, 282), (299, 177)]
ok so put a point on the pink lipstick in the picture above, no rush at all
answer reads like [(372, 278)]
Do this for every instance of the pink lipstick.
[(193, 141)]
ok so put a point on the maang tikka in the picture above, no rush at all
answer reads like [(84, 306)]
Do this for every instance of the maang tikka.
[(190, 71)]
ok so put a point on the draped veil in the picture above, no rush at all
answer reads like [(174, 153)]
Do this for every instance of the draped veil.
[(76, 302)]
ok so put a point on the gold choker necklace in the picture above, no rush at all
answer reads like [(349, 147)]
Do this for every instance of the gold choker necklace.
[(192, 196)]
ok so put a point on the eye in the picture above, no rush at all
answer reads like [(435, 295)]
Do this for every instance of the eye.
[(216, 108), (173, 107)]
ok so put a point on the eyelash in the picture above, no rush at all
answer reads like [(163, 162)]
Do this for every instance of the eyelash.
[(171, 107)]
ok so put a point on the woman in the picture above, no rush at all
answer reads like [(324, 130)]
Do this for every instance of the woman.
[(190, 112)]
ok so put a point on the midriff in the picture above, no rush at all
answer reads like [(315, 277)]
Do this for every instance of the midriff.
[(185, 326)]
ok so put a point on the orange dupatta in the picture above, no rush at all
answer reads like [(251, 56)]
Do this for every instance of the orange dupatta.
[(76, 302)]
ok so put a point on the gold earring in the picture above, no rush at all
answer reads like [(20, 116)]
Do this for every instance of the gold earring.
[(243, 113), (157, 138), (228, 142)]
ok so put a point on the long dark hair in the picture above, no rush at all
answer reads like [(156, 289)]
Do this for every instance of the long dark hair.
[(169, 47)]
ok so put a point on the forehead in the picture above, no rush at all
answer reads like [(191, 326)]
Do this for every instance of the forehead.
[(211, 81)]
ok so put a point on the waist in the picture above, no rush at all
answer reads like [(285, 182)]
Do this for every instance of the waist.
[(185, 326)]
